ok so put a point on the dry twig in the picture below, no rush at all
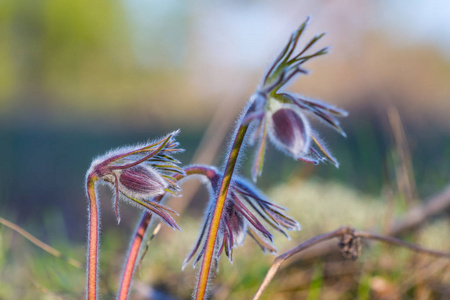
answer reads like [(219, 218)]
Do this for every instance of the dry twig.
[(417, 215), (40, 244), (350, 246)]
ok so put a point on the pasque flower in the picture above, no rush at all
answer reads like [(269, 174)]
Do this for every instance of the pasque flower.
[(284, 116), (138, 174), (141, 173), (246, 209)]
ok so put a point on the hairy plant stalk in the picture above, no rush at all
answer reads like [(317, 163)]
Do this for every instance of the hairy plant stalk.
[(136, 173), (218, 210), (138, 236), (132, 256), (92, 240)]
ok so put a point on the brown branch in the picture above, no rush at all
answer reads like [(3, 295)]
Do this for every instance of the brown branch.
[(400, 243), (411, 220), (350, 246), (417, 215)]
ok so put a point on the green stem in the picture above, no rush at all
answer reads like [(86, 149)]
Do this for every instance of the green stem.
[(217, 216)]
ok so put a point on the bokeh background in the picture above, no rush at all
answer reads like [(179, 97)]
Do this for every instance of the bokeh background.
[(80, 77)]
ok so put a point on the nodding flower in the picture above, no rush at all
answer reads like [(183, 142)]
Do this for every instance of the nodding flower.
[(284, 116), (140, 173), (245, 211)]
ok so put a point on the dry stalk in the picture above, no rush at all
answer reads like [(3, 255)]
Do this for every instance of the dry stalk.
[(350, 246), (40, 244)]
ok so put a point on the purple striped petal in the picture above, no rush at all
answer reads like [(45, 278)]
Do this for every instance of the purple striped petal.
[(142, 181), (289, 130)]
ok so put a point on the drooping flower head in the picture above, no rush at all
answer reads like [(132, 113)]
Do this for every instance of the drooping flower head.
[(246, 211), (141, 173), (284, 116)]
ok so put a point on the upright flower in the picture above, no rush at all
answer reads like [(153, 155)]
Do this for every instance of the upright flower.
[(246, 209), (284, 116), (281, 116), (137, 174)]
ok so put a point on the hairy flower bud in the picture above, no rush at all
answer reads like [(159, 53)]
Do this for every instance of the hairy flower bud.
[(141, 173), (141, 181)]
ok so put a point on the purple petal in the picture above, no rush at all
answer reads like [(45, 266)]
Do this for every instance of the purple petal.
[(330, 120), (143, 181), (263, 244), (245, 190), (269, 211), (309, 160), (199, 256), (250, 217), (324, 111), (199, 240), (326, 106), (166, 218), (159, 210), (235, 222), (289, 130), (230, 234)]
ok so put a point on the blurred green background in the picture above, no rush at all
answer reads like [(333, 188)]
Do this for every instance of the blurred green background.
[(80, 77)]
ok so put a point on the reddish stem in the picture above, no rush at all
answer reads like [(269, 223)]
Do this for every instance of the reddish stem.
[(132, 256), (92, 240), (130, 263)]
